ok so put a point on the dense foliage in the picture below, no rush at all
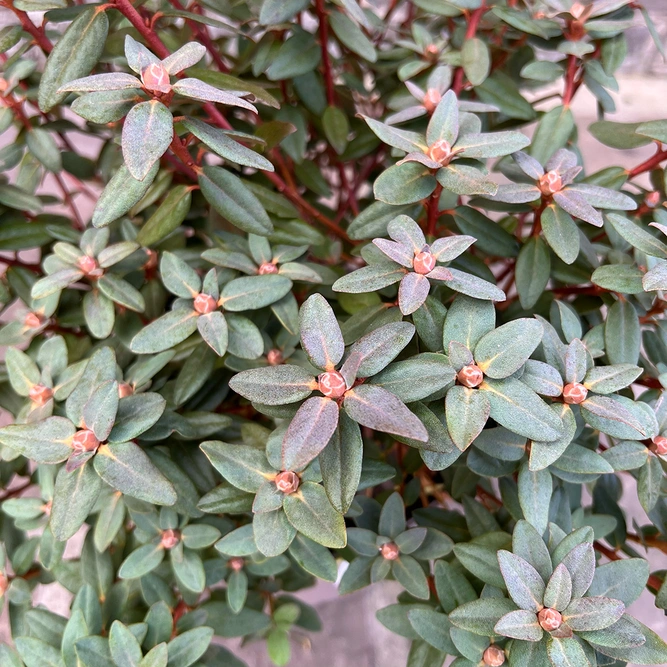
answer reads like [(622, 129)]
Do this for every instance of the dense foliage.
[(307, 294)]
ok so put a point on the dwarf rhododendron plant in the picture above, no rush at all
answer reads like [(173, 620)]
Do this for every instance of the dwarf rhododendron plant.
[(304, 291)]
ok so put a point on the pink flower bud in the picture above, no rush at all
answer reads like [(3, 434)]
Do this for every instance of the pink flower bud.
[(156, 78), (424, 262), (205, 303), (85, 441), (267, 268), (550, 619), (494, 656), (550, 183), (577, 10), (652, 199), (431, 99), (170, 538), (287, 482), (432, 50), (33, 321), (659, 445), (39, 394), (4, 583), (389, 551), (574, 393), (236, 564), (151, 261), (331, 384), (89, 266), (125, 390), (46, 508), (274, 357), (470, 376), (441, 152)]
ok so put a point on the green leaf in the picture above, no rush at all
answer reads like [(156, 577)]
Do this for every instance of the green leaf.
[(189, 646), (274, 385), (524, 584), (462, 180), (622, 580), (466, 411), (165, 332), (74, 496), (105, 106), (37, 653), (379, 409), (321, 338), (121, 193), (147, 133), (520, 624), (254, 292), (47, 441), (74, 55), (125, 467), (369, 279), (501, 352), (168, 216), (340, 463), (352, 36), (475, 60), (558, 592), (566, 652), (519, 409), (219, 142), (42, 145), (618, 135), (622, 334), (336, 128), (533, 268), (637, 237), (314, 558), (245, 467), (535, 489), (410, 575), (405, 183), (652, 652), (124, 647), (280, 11), (309, 432), (228, 195), (311, 513), (480, 616), (593, 613), (561, 234)]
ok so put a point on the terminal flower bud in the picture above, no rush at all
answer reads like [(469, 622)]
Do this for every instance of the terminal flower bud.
[(494, 656), (287, 481), (424, 262), (389, 551), (550, 183), (470, 376), (85, 441), (550, 619), (156, 78), (574, 393), (170, 538), (205, 303), (266, 268), (331, 384), (39, 394)]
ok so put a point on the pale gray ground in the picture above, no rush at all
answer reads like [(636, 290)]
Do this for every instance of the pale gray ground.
[(352, 637)]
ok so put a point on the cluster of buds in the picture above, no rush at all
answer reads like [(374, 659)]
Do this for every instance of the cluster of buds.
[(550, 183), (274, 357), (287, 482), (267, 268), (40, 394), (441, 152), (424, 261), (125, 390), (89, 266), (549, 619), (236, 563), (170, 538), (574, 393), (332, 384), (85, 441), (156, 78), (389, 551), (34, 321), (431, 99), (205, 304), (494, 656), (470, 376), (659, 445)]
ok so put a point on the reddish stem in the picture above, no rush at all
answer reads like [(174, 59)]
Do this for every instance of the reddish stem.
[(323, 29), (570, 80), (473, 23), (432, 211), (649, 164), (38, 34)]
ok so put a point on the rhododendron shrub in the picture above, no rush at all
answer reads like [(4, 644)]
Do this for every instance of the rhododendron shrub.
[(322, 290)]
